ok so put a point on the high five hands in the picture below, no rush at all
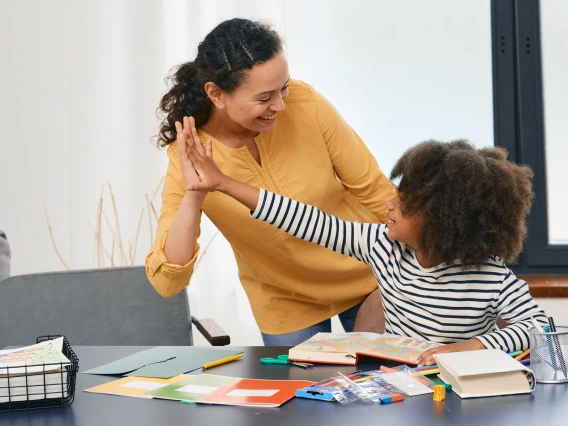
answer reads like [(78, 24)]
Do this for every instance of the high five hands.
[(200, 173)]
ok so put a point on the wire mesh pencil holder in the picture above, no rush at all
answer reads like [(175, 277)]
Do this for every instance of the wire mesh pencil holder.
[(37, 386), (549, 355)]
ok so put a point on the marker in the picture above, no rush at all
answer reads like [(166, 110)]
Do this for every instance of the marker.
[(428, 372), (392, 398), (523, 355)]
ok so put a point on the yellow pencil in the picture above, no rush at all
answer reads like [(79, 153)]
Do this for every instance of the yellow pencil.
[(523, 355), (222, 361)]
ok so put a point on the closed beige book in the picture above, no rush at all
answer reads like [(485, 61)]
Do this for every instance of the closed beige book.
[(488, 372)]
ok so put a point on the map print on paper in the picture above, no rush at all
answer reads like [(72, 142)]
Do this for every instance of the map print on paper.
[(383, 345)]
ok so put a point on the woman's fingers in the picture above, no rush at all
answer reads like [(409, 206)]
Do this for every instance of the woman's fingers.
[(196, 187), (182, 145)]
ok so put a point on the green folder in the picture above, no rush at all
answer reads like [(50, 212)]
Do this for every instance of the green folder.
[(163, 362)]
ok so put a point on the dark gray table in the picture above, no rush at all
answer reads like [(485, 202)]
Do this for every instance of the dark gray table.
[(547, 406)]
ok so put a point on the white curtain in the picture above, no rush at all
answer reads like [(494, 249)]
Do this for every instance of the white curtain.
[(81, 80)]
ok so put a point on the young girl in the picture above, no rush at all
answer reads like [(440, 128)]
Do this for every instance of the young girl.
[(458, 213)]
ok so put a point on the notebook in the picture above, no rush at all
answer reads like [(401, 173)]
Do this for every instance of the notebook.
[(206, 389), (488, 372), (346, 348)]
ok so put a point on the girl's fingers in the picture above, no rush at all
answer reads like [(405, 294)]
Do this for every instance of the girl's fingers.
[(209, 149)]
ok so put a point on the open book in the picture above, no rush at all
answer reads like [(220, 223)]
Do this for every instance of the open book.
[(346, 348), (488, 372)]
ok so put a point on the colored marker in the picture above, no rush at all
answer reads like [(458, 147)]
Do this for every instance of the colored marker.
[(428, 372)]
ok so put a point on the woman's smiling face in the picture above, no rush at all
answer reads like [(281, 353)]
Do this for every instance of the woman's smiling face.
[(255, 104)]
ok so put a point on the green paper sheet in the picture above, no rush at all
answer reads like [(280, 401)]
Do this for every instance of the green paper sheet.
[(206, 382), (163, 362)]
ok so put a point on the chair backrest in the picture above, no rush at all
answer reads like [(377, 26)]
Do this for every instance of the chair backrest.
[(109, 306)]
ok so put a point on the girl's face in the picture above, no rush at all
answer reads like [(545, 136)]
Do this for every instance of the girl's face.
[(407, 230), (255, 104)]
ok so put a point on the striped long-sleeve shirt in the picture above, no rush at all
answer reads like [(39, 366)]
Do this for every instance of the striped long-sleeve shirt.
[(443, 304)]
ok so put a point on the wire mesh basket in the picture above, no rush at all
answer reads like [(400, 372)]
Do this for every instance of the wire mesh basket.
[(549, 355), (37, 386)]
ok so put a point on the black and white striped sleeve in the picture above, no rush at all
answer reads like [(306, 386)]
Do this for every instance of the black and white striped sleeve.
[(516, 306), (311, 224)]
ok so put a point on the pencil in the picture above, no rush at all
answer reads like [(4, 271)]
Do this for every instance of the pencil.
[(222, 361), (523, 355)]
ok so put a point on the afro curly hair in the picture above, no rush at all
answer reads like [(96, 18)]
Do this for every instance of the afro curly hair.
[(473, 202)]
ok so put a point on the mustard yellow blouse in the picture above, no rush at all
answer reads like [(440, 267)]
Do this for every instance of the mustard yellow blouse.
[(313, 156)]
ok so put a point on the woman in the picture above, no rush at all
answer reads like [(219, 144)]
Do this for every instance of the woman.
[(276, 133)]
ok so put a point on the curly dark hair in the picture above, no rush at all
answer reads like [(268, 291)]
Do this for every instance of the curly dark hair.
[(224, 58), (473, 202)]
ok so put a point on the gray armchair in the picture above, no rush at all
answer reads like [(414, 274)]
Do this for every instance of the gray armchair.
[(109, 306), (4, 256)]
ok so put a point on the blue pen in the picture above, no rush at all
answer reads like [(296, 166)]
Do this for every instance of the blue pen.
[(558, 348), (550, 348), (426, 367)]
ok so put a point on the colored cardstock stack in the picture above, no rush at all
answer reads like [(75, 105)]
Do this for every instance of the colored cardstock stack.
[(206, 389)]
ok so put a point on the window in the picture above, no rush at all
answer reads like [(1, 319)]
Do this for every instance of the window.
[(529, 95)]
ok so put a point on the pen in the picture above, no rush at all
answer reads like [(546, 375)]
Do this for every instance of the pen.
[(426, 367), (515, 354), (537, 325), (558, 348), (222, 361)]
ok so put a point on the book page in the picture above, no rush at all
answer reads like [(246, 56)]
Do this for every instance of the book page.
[(48, 352), (388, 346)]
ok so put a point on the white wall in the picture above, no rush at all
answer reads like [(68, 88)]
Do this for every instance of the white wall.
[(80, 81), (77, 110)]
